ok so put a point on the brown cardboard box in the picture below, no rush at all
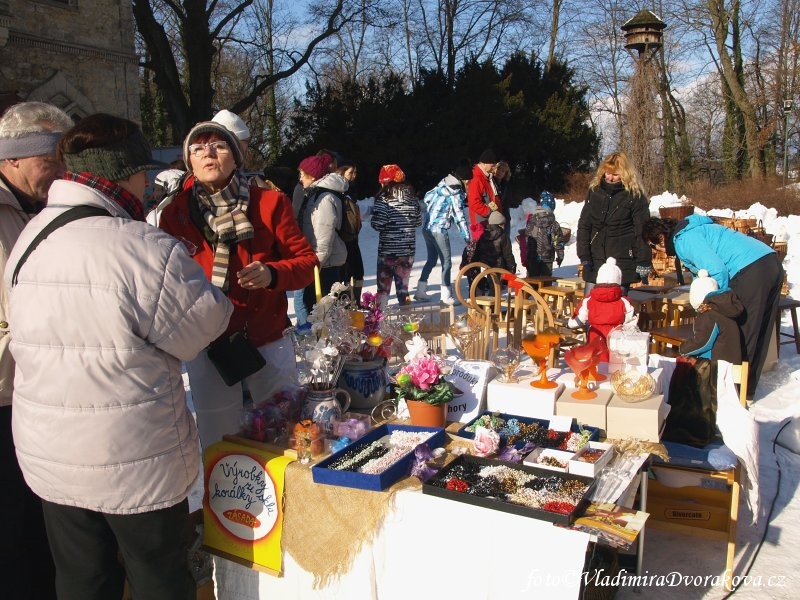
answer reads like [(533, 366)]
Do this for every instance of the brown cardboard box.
[(643, 420), (698, 500), (586, 412)]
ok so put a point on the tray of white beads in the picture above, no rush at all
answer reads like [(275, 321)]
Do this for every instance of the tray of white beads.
[(378, 459)]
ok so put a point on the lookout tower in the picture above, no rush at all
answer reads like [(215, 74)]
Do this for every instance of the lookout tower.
[(643, 33)]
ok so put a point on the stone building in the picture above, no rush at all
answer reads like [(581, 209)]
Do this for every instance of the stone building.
[(76, 54)]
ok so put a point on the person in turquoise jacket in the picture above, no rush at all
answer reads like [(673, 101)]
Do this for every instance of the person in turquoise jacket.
[(737, 262)]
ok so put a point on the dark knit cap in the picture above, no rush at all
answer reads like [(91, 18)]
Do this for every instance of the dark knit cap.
[(316, 166), (209, 127), (463, 170), (488, 156), (117, 161)]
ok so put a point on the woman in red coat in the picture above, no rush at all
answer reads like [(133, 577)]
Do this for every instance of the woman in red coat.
[(247, 241)]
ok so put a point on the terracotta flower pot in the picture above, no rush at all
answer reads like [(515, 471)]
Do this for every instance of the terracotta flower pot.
[(427, 415)]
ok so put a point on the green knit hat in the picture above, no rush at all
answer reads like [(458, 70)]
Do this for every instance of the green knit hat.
[(116, 161)]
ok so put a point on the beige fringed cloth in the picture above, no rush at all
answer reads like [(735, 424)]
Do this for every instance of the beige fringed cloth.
[(326, 526)]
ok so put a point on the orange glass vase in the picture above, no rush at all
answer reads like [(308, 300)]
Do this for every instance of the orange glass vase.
[(538, 347)]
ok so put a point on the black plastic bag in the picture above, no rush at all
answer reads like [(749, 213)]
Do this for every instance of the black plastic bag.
[(692, 418)]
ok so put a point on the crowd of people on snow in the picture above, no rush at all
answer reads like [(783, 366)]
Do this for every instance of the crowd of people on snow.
[(101, 304)]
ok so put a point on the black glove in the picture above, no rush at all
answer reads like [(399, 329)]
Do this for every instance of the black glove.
[(587, 265)]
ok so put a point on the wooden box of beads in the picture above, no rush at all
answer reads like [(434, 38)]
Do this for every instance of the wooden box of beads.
[(514, 488), (378, 458)]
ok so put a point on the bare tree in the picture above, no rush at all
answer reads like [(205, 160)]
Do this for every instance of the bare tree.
[(183, 62)]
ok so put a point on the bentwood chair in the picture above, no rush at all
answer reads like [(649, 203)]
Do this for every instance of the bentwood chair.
[(468, 272), (486, 292)]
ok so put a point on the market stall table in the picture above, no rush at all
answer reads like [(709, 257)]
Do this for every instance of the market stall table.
[(425, 546)]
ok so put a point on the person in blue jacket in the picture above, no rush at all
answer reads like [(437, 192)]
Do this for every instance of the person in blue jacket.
[(444, 205), (737, 262), (715, 334)]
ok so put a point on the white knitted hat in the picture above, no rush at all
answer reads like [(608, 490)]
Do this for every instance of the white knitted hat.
[(702, 285), (233, 123), (609, 272)]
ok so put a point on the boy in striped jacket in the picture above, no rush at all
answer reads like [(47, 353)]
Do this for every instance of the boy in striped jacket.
[(396, 215)]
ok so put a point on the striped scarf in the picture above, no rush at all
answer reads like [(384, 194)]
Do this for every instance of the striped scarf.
[(119, 196), (226, 215)]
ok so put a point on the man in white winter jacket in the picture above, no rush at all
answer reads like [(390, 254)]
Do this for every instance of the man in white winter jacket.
[(29, 132), (102, 312)]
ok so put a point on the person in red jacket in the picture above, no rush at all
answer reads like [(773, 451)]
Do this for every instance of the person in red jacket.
[(482, 196), (605, 307), (247, 241)]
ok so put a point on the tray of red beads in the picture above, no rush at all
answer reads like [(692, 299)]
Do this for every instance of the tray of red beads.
[(515, 430), (518, 489)]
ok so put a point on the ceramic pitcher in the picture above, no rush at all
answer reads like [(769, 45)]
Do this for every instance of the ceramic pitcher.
[(323, 405), (365, 382)]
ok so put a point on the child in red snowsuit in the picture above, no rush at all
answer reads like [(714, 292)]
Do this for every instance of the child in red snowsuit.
[(605, 307)]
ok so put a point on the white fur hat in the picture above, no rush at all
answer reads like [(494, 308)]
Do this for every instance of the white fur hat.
[(609, 272), (702, 285), (233, 123)]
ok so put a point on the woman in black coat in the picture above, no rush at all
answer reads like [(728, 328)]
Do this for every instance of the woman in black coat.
[(611, 223)]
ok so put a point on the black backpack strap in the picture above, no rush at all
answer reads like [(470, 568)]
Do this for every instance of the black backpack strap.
[(73, 214)]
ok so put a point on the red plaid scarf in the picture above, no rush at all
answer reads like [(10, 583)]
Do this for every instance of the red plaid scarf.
[(119, 196)]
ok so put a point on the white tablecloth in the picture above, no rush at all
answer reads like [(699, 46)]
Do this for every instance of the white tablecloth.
[(430, 547)]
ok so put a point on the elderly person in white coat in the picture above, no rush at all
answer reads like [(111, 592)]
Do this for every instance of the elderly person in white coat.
[(320, 216), (29, 132), (102, 312)]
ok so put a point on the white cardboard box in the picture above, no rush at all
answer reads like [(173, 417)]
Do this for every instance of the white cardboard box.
[(588, 469), (643, 420), (567, 377), (522, 399), (532, 460), (586, 412)]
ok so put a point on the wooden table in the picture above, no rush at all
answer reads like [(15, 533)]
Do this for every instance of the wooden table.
[(539, 280), (653, 289), (561, 299), (673, 335)]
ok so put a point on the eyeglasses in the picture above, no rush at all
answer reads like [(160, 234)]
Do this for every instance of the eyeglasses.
[(653, 245), (217, 147)]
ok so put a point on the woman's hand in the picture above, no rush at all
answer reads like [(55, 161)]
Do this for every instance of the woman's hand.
[(255, 276)]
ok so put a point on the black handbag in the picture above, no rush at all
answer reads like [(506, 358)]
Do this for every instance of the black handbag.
[(235, 357)]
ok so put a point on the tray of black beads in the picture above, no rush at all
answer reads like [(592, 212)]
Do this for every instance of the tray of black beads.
[(516, 431), (518, 489), (378, 458)]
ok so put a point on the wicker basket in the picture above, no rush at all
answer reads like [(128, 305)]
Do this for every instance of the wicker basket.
[(761, 235), (744, 225), (677, 212), (781, 248), (724, 221)]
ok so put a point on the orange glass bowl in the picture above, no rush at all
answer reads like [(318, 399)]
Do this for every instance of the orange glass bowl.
[(582, 360)]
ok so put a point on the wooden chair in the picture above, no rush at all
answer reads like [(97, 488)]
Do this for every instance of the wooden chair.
[(561, 301), (495, 302), (530, 309), (717, 499), (434, 320), (479, 344), (462, 276)]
